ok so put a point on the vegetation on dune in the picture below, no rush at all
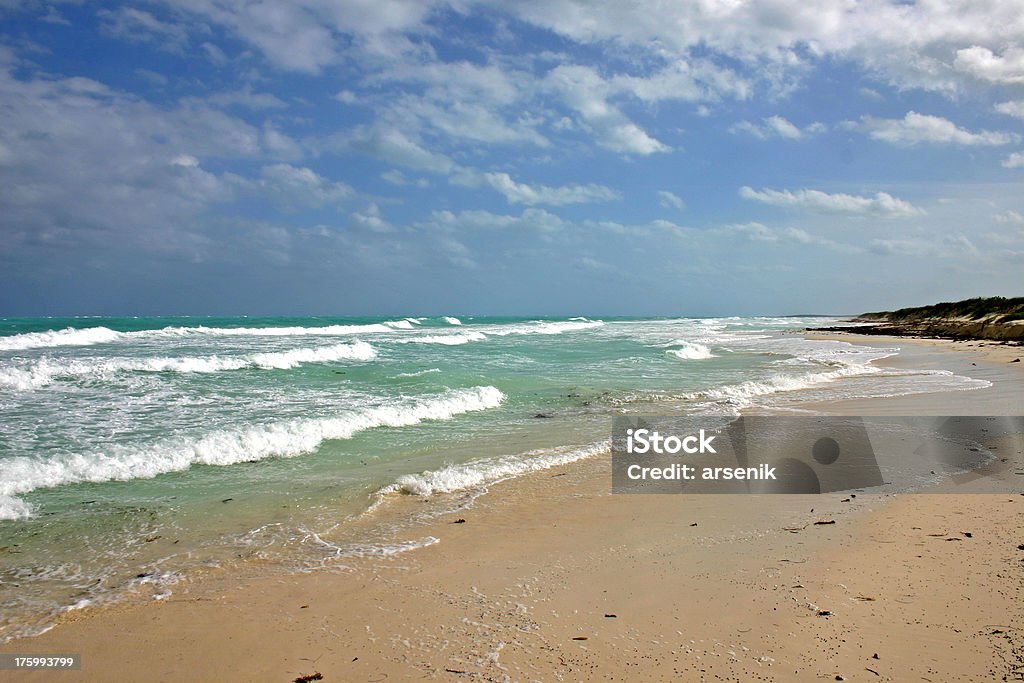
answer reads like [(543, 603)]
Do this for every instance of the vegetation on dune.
[(996, 309)]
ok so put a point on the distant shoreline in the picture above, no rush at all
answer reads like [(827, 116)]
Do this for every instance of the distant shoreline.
[(951, 330), (993, 318)]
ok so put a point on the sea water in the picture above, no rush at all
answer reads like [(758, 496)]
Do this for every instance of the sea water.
[(137, 451)]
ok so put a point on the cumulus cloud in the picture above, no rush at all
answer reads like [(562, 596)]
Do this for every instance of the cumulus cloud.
[(915, 128), (1015, 160), (371, 219), (461, 101), (905, 44), (882, 205), (986, 65), (583, 90), (1013, 108)]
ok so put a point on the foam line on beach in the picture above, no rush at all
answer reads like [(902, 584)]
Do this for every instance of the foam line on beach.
[(490, 470)]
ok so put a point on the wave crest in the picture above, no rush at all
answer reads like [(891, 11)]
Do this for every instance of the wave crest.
[(691, 351), (46, 370), (227, 447)]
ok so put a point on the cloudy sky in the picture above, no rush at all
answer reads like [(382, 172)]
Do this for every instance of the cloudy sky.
[(702, 157)]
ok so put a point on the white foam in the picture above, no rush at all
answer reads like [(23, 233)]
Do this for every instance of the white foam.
[(451, 320), (22, 474), (66, 337), (741, 394), (418, 374), (691, 351), (545, 327), (46, 370), (491, 470), (446, 339), (359, 350), (294, 331), (14, 508), (369, 549), (101, 335)]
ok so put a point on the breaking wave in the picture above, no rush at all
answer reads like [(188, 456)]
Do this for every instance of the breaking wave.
[(46, 370), (66, 337), (691, 351), (22, 474)]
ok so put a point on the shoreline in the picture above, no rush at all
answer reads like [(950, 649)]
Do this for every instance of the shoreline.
[(698, 585)]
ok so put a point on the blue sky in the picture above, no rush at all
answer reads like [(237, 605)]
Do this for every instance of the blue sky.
[(706, 157)]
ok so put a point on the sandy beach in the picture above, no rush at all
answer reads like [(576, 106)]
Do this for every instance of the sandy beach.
[(551, 577)]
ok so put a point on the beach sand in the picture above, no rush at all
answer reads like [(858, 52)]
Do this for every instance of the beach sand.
[(551, 577)]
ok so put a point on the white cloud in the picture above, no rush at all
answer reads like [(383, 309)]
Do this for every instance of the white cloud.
[(308, 35), (1013, 108), (583, 89), (1011, 217), (299, 186), (946, 246), (397, 178), (905, 44), (521, 193), (135, 25), (248, 98), (670, 200), (688, 80), (984, 64), (53, 16), (881, 205), (371, 219), (915, 128), (777, 127), (84, 160), (759, 232), (462, 101), (1015, 160), (529, 219), (390, 144)]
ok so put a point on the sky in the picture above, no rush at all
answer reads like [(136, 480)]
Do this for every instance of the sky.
[(530, 157)]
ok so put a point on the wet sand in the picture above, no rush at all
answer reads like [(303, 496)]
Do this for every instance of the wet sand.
[(551, 577)]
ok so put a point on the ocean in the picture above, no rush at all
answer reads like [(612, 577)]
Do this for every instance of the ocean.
[(136, 453)]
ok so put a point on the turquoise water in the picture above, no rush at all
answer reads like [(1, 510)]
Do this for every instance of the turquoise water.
[(134, 451)]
